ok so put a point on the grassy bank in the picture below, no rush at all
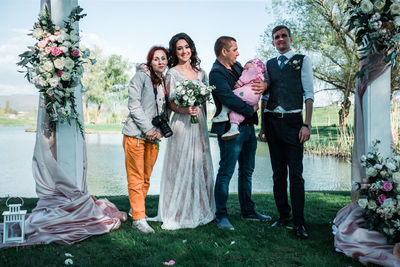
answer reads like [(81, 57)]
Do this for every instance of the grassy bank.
[(251, 244)]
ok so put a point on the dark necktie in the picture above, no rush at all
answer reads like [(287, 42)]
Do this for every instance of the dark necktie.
[(282, 59)]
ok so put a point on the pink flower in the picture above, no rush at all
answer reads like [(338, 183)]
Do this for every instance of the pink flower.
[(60, 73), (43, 42), (75, 53), (56, 51), (381, 198), (47, 50), (387, 186)]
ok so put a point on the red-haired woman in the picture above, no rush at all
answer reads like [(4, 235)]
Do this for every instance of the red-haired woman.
[(146, 102)]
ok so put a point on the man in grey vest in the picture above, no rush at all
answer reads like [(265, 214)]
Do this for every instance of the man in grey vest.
[(290, 82)]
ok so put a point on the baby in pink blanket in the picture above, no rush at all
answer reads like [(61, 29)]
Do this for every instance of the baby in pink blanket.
[(253, 70)]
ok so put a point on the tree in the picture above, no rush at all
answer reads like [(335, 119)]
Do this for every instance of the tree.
[(106, 80), (319, 28)]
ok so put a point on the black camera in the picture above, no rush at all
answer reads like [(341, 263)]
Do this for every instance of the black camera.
[(161, 121)]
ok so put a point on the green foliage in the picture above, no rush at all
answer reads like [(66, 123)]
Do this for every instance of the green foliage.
[(251, 244), (106, 80)]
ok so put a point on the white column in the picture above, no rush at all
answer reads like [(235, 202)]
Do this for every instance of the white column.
[(68, 137), (376, 111)]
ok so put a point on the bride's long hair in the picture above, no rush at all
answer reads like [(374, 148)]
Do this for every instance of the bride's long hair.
[(173, 59)]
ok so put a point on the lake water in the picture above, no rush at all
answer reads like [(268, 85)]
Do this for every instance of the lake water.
[(106, 170)]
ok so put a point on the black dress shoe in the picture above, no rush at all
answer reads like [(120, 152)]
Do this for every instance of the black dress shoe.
[(255, 216), (281, 222), (301, 232)]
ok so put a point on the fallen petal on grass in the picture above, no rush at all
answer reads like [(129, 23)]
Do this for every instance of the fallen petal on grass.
[(68, 262), (171, 262)]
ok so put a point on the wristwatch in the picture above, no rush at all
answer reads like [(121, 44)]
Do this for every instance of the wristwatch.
[(307, 125)]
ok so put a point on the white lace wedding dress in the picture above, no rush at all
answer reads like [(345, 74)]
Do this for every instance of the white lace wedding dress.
[(187, 183)]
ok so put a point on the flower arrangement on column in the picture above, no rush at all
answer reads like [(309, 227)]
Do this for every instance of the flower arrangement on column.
[(377, 29), (380, 194), (55, 65)]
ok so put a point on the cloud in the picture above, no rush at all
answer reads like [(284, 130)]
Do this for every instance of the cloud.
[(8, 89)]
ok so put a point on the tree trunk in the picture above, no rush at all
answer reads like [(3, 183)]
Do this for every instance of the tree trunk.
[(87, 110), (98, 112), (344, 109)]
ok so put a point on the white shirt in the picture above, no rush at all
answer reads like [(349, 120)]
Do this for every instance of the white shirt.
[(306, 81)]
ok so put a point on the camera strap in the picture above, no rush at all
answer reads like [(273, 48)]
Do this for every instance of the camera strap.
[(156, 92)]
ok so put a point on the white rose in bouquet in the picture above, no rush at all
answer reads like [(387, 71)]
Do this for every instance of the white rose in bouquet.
[(372, 205), (59, 63), (54, 81), (69, 63), (395, 8), (67, 44), (37, 33), (63, 48), (363, 202), (390, 166), (396, 177), (48, 66), (66, 76), (379, 4), (371, 172), (366, 6)]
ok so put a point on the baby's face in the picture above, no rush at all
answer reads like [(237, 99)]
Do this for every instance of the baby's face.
[(247, 66)]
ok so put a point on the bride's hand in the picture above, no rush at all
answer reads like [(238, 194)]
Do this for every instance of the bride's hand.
[(192, 110)]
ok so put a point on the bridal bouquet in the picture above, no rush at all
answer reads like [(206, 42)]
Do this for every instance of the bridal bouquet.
[(380, 194), (192, 93), (377, 27), (54, 65)]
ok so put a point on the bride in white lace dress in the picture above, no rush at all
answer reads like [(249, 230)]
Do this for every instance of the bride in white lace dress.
[(187, 183)]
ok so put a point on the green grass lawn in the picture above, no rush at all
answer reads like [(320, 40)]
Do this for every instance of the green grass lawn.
[(251, 244)]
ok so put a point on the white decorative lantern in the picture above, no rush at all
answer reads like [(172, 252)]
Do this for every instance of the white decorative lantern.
[(14, 223)]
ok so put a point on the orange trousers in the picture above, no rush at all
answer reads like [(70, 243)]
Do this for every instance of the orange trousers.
[(140, 157)]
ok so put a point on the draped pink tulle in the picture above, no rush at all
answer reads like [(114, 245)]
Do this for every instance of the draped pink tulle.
[(360, 243), (64, 213)]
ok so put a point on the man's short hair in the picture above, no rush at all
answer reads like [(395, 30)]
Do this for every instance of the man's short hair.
[(280, 27), (221, 43)]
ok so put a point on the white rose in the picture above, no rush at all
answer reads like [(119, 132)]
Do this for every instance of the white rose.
[(372, 205), (37, 33), (391, 166), (66, 76), (48, 66), (396, 21), (366, 6), (74, 38), (378, 166), (395, 8), (52, 38), (371, 172), (54, 81), (69, 63), (67, 44), (396, 177), (185, 97), (64, 49), (363, 202), (82, 47), (379, 4), (59, 63), (370, 155)]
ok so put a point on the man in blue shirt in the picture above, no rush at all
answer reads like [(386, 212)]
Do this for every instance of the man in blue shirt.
[(242, 149)]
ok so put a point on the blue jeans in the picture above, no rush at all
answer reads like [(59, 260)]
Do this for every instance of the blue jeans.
[(241, 149)]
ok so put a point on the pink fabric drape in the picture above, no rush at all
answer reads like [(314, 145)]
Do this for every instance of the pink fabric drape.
[(64, 214), (360, 243)]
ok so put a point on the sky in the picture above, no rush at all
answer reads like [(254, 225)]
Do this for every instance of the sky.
[(130, 27)]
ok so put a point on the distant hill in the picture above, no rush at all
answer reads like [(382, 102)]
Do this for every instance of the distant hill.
[(25, 103)]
